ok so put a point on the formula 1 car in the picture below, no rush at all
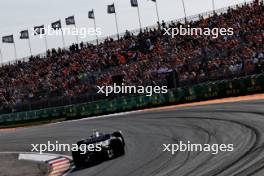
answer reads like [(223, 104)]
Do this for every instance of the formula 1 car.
[(99, 147)]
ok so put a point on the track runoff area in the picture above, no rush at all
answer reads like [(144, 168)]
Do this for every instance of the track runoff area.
[(218, 137)]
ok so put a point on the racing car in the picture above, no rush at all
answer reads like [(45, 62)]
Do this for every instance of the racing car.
[(99, 147)]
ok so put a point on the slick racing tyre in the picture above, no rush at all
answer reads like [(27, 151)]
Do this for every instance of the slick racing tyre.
[(78, 159), (119, 135), (118, 147)]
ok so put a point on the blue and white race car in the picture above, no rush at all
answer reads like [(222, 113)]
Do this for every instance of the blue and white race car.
[(99, 147)]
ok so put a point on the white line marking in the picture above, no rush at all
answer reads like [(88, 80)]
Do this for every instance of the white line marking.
[(36, 157)]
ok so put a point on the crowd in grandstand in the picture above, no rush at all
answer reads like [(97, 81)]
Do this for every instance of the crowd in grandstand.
[(143, 59)]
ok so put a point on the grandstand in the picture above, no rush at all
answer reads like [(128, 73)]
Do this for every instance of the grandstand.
[(70, 76)]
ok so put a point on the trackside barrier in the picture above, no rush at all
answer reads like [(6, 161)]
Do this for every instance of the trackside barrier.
[(219, 89)]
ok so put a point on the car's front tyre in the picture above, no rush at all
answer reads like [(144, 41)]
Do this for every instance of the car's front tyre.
[(117, 147)]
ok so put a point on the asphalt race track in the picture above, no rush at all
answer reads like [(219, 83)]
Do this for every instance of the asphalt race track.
[(240, 123)]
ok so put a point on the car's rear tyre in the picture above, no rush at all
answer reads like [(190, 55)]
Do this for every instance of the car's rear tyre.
[(78, 159)]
